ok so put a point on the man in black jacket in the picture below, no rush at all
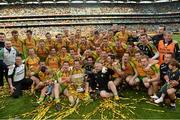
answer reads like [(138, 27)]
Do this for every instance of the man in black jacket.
[(134, 37), (102, 79), (159, 36), (2, 39)]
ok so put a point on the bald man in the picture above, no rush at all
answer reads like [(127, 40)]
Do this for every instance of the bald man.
[(101, 77), (7, 55)]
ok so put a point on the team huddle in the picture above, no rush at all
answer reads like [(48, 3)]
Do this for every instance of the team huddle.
[(78, 65)]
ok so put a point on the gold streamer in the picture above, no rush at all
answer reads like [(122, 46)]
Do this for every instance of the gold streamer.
[(66, 111), (118, 110), (41, 112), (154, 110), (151, 103)]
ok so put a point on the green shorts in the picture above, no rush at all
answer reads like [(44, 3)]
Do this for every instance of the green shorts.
[(141, 78), (62, 88)]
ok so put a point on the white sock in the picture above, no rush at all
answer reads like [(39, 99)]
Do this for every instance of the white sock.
[(173, 104)]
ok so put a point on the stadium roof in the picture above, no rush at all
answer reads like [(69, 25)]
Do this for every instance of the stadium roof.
[(6, 2)]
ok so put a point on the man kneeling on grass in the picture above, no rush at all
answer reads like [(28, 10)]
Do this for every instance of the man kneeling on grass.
[(172, 84), (16, 78), (102, 78)]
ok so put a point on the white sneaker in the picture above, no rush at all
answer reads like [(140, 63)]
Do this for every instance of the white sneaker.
[(159, 100), (80, 90), (154, 97), (173, 106)]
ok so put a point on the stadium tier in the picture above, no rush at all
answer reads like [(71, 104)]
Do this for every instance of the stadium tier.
[(48, 14), (80, 1)]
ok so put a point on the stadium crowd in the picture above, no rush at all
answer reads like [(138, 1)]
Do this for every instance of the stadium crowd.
[(83, 64), (40, 31), (22, 10), (71, 21)]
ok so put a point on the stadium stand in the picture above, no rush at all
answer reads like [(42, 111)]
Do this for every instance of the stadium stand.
[(33, 15)]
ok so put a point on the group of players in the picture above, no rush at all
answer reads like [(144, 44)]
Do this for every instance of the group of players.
[(79, 65)]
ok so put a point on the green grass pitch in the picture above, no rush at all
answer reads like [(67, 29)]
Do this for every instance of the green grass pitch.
[(135, 105)]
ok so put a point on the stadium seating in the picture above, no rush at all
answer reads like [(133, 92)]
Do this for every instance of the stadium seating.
[(47, 15)]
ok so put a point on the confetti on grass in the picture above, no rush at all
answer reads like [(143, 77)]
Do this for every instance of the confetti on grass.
[(154, 110), (119, 110), (4, 94), (106, 109), (65, 112)]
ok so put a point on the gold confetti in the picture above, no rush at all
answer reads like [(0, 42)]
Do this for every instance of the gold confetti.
[(106, 109), (121, 110), (42, 113)]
